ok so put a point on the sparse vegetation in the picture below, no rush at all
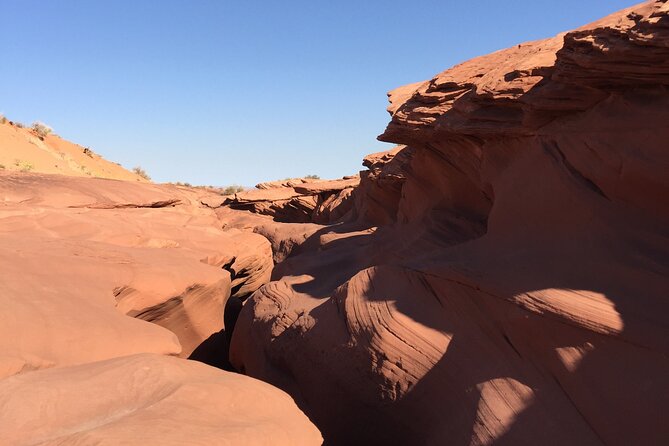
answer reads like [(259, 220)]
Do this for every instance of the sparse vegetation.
[(232, 189), (2, 167), (141, 172), (24, 166), (19, 125), (41, 129), (306, 177), (3, 120), (225, 190)]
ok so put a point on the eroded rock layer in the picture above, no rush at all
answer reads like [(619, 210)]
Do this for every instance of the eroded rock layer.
[(505, 278), (299, 200), (100, 281)]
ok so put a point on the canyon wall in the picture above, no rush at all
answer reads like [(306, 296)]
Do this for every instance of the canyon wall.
[(502, 276)]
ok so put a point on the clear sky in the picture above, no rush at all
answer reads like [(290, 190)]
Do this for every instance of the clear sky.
[(223, 92)]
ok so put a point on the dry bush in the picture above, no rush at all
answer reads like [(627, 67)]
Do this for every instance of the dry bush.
[(24, 166), (141, 172), (41, 129), (232, 189)]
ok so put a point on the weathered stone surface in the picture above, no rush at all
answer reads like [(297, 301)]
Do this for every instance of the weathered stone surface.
[(82, 253), (78, 257), (298, 200), (147, 399), (511, 289)]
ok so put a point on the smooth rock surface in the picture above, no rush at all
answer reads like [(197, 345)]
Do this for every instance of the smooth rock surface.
[(147, 399), (511, 289), (102, 281)]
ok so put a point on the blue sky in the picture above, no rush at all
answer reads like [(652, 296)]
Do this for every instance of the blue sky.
[(222, 92)]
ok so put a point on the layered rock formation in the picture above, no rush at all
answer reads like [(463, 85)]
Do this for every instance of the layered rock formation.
[(499, 277), (101, 280), (504, 279), (299, 200)]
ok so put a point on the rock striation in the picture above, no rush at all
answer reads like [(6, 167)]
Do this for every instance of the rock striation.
[(298, 200), (504, 279), (104, 283)]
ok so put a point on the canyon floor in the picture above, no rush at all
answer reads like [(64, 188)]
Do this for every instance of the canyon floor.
[(498, 277)]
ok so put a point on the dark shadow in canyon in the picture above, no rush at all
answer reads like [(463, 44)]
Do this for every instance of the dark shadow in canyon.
[(215, 350), (599, 399)]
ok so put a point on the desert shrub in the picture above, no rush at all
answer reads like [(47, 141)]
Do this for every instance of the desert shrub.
[(233, 189), (41, 129), (3, 120), (24, 166), (141, 172), (19, 125), (310, 177)]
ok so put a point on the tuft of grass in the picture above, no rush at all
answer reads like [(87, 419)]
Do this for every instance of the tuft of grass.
[(41, 129), (141, 172), (3, 120), (179, 183), (309, 177), (19, 124), (24, 166)]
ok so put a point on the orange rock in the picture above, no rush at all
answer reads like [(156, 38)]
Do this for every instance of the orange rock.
[(148, 399), (78, 257), (511, 286), (299, 200), (78, 254)]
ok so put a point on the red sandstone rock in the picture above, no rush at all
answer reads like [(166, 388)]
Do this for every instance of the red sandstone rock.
[(78, 257), (153, 254), (516, 294), (147, 399), (299, 200)]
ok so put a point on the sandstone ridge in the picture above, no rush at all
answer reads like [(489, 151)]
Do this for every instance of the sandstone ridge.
[(104, 283), (502, 276)]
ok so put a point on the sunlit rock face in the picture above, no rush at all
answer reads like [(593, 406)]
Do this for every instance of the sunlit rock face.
[(147, 399), (505, 281), (298, 200), (102, 284)]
